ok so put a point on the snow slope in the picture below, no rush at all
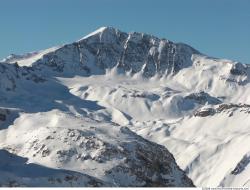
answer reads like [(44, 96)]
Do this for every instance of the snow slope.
[(29, 58), (90, 95), (16, 172), (104, 151)]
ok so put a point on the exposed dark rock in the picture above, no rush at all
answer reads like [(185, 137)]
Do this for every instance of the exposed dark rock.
[(238, 69), (205, 112), (241, 165), (229, 108), (223, 107), (203, 98), (135, 52)]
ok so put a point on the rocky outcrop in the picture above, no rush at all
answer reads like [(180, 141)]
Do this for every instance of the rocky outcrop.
[(223, 108), (239, 69), (205, 112), (203, 98), (241, 165)]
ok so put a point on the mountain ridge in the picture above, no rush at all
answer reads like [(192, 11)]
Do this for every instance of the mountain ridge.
[(128, 83), (121, 50)]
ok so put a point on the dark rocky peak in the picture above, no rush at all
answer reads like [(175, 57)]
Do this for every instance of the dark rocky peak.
[(104, 35), (239, 69), (108, 48)]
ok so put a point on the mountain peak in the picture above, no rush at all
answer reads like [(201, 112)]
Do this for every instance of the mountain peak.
[(88, 107), (100, 31), (108, 48)]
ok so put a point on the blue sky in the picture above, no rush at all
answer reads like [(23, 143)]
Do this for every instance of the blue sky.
[(219, 28)]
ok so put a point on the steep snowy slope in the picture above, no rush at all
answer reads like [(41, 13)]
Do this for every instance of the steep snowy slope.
[(88, 95), (105, 151), (16, 172), (29, 58)]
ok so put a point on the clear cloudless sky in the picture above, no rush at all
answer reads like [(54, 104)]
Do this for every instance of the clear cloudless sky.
[(219, 28)]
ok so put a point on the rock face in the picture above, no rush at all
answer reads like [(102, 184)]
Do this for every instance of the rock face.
[(239, 69), (203, 98), (223, 108), (204, 112), (241, 165), (10, 74), (108, 48)]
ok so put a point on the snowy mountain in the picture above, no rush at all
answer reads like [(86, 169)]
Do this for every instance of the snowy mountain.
[(89, 114)]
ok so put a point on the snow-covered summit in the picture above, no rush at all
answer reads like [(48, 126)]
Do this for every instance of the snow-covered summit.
[(100, 32), (108, 48)]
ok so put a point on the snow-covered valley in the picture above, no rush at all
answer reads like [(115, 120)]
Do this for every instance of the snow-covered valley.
[(90, 114)]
